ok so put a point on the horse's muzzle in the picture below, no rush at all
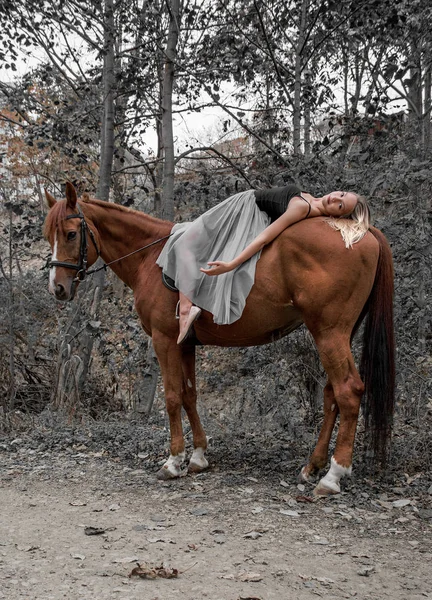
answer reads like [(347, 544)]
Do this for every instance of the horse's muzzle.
[(63, 294)]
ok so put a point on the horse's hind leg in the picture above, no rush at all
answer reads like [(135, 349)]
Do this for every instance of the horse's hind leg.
[(198, 461), (319, 457), (335, 354)]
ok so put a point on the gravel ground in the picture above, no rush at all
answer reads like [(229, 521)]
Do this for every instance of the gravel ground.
[(244, 529)]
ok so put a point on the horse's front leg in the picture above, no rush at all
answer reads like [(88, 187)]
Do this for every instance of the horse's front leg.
[(198, 461), (169, 357)]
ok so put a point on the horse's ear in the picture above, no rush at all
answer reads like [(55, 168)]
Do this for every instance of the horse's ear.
[(50, 199), (71, 196)]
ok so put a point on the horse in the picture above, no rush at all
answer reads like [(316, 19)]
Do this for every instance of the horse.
[(306, 275)]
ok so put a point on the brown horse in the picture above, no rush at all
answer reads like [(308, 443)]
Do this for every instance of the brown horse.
[(306, 275)]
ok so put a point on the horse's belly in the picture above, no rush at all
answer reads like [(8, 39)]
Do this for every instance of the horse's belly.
[(258, 325)]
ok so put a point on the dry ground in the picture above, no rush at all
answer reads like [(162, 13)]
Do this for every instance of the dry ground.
[(232, 533)]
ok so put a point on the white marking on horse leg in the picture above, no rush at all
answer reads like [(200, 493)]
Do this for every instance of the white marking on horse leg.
[(330, 482), (333, 406), (189, 382), (52, 273), (198, 461), (174, 466)]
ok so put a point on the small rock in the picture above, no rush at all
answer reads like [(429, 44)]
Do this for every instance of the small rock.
[(321, 542), (425, 513), (386, 504), (289, 513), (114, 507), (301, 487), (327, 510), (401, 503), (284, 484), (219, 539), (366, 571), (257, 510), (78, 556), (430, 490), (199, 512)]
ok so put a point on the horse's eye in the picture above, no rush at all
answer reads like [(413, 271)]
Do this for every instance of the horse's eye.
[(71, 235)]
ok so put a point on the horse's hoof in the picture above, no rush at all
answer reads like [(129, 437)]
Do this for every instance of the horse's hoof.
[(167, 473), (303, 476), (197, 468), (323, 490), (198, 461), (307, 475)]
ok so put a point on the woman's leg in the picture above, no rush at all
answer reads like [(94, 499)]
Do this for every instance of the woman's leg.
[(188, 314)]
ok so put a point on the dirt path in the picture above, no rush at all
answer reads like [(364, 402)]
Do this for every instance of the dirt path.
[(231, 536)]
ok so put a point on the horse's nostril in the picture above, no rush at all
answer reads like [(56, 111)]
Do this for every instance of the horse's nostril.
[(60, 291)]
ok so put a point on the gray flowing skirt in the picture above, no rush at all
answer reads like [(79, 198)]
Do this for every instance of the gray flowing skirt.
[(221, 233)]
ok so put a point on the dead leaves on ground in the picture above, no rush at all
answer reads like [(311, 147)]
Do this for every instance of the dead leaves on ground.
[(148, 572)]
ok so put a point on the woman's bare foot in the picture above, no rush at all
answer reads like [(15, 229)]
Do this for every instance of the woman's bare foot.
[(186, 322)]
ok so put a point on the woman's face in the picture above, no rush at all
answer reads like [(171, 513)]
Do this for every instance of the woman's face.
[(339, 204)]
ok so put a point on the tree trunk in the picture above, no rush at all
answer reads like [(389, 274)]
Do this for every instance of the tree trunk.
[(78, 331), (107, 130), (167, 122), (427, 111), (298, 79)]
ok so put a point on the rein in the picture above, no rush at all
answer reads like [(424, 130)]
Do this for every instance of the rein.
[(81, 267), (105, 265)]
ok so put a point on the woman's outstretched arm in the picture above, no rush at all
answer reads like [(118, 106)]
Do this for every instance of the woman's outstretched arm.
[(296, 211)]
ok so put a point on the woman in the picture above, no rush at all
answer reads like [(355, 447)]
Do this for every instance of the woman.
[(233, 233)]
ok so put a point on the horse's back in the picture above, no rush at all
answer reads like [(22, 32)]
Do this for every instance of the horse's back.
[(306, 275)]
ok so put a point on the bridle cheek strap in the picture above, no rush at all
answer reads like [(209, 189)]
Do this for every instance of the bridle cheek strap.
[(81, 267)]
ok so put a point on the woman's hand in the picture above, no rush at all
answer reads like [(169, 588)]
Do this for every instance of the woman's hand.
[(218, 267)]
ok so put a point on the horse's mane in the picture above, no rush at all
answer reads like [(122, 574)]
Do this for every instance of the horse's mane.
[(57, 214)]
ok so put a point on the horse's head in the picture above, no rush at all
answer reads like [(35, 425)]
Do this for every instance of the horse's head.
[(73, 244)]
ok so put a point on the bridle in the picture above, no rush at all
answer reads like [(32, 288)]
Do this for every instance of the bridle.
[(81, 266)]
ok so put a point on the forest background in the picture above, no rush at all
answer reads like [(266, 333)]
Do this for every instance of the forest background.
[(331, 94)]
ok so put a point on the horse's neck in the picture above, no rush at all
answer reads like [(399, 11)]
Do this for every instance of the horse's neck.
[(122, 232)]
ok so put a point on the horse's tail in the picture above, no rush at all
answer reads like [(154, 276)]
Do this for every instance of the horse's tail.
[(378, 357)]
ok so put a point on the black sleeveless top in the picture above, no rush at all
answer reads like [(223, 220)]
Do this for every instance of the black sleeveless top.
[(274, 201)]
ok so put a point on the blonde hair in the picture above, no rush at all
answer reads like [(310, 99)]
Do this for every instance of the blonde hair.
[(354, 226)]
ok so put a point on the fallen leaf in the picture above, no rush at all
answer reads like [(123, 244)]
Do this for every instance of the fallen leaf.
[(94, 530), (126, 559), (304, 499), (250, 577), (27, 548), (253, 535), (148, 572)]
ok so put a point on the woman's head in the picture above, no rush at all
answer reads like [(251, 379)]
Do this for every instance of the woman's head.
[(355, 212), (347, 204)]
